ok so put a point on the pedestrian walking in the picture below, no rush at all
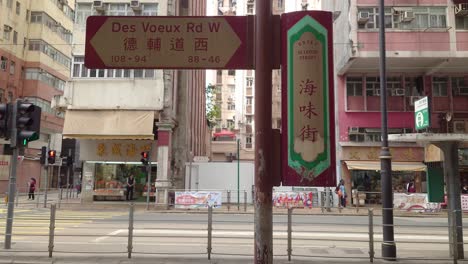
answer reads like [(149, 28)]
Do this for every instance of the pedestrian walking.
[(130, 187), (31, 188)]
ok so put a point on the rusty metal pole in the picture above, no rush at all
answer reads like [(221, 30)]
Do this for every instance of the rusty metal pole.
[(263, 132)]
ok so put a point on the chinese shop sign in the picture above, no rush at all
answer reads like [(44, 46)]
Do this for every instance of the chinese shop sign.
[(308, 129), (115, 150), (169, 42)]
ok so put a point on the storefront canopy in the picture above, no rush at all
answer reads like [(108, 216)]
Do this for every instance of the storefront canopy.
[(375, 165), (108, 124)]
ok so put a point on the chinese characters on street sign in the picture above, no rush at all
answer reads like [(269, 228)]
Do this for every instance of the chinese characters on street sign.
[(308, 113), (169, 42), (422, 118)]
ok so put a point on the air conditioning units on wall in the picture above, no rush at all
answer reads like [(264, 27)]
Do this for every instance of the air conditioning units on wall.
[(414, 98), (459, 127), (135, 5), (98, 5), (363, 17), (407, 16)]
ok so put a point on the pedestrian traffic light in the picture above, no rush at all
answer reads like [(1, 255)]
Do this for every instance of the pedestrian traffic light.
[(28, 123), (4, 119), (43, 155), (51, 156), (144, 158)]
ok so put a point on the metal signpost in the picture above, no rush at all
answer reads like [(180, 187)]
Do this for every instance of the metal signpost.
[(422, 118), (228, 43)]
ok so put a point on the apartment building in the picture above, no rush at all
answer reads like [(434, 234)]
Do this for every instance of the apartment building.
[(117, 114), (426, 56), (35, 60)]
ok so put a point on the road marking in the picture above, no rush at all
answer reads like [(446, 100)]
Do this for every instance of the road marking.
[(250, 234)]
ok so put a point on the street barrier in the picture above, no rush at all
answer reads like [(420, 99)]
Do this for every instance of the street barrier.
[(294, 239)]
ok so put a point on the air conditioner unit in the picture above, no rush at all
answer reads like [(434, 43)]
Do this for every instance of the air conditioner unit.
[(407, 16), (135, 5), (57, 24), (98, 5), (461, 10), (363, 17), (7, 28), (353, 130), (377, 92), (414, 98), (399, 92), (459, 127)]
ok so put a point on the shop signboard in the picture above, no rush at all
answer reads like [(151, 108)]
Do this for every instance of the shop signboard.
[(202, 199), (422, 118), (4, 167), (464, 202), (165, 42), (115, 150), (308, 139)]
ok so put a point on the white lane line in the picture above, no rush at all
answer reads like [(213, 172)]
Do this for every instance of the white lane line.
[(116, 232), (249, 234)]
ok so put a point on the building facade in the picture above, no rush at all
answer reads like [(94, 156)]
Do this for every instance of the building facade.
[(426, 54), (117, 114), (35, 59)]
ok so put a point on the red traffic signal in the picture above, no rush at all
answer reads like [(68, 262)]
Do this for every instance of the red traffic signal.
[(144, 157), (51, 156)]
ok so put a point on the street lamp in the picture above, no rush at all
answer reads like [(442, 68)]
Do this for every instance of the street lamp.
[(388, 243)]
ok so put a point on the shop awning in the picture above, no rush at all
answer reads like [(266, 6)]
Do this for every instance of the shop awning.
[(375, 165), (108, 124)]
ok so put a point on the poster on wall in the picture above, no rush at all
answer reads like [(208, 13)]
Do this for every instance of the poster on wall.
[(193, 200), (308, 125)]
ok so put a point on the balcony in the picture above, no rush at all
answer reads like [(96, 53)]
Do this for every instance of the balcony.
[(249, 91), (223, 146), (248, 129), (248, 110)]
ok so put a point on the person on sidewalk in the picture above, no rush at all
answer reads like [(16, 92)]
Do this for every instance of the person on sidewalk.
[(130, 187), (341, 192), (31, 188)]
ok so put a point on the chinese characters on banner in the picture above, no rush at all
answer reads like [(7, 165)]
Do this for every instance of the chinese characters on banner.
[(201, 199), (309, 126)]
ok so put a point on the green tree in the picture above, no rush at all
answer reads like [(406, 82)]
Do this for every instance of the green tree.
[(213, 110)]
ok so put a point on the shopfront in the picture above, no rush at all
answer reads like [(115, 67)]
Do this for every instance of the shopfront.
[(361, 168), (107, 164)]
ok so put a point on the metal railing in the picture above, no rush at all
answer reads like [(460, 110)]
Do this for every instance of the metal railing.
[(292, 236)]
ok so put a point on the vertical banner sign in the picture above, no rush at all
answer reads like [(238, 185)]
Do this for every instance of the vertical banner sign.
[(422, 118), (308, 134)]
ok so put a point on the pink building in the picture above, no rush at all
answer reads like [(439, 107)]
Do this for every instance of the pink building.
[(427, 55)]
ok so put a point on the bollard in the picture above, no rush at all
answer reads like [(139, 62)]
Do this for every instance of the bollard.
[(130, 230), (38, 197), (289, 233), (370, 212), (245, 201), (60, 201), (61, 193), (52, 229), (229, 200), (357, 201), (454, 237), (210, 230), (17, 198)]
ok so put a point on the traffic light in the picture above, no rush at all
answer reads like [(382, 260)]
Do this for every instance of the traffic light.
[(5, 129), (69, 161), (43, 155), (51, 156), (28, 123), (144, 158)]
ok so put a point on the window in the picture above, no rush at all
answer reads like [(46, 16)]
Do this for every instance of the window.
[(248, 142), (4, 63), (80, 71), (404, 18), (45, 77), (248, 120), (43, 104), (44, 47), (459, 86), (52, 24), (280, 4), (372, 86), (394, 87), (15, 37), (250, 9), (6, 32), (12, 67), (18, 7), (150, 9), (232, 88), (231, 72), (461, 22), (119, 10), (249, 81), (9, 3), (354, 86), (230, 123), (439, 86), (27, 14), (249, 101), (83, 11), (231, 106)]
